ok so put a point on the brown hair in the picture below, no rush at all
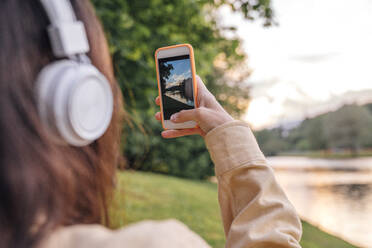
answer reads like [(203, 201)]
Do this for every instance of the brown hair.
[(44, 185)]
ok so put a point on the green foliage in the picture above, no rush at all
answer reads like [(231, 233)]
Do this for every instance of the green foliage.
[(135, 29), (346, 127), (349, 128), (369, 107), (271, 141), (142, 196), (309, 135), (253, 9)]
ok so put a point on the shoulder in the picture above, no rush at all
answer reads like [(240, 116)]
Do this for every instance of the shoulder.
[(169, 233)]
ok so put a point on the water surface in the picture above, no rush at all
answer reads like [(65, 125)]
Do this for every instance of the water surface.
[(335, 195)]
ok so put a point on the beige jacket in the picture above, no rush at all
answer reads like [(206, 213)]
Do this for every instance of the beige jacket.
[(254, 208)]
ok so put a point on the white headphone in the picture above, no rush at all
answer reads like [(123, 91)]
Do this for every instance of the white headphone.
[(74, 99)]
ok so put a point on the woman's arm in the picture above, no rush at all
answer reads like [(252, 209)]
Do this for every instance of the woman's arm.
[(254, 209)]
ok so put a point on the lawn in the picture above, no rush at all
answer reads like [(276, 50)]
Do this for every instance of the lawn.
[(141, 196)]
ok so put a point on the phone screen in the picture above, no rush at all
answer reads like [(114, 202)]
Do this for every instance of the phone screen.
[(176, 84)]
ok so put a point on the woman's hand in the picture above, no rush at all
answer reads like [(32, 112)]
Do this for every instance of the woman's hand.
[(208, 115)]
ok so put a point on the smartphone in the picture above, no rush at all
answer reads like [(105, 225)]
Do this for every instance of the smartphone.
[(175, 68)]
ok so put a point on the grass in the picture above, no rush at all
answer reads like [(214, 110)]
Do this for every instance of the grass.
[(142, 196), (312, 237)]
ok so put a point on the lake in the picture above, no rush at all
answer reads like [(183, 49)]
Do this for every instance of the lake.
[(335, 195)]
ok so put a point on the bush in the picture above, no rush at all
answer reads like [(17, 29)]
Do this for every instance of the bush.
[(135, 29)]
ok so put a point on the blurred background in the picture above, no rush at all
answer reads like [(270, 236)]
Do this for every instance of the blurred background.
[(297, 71)]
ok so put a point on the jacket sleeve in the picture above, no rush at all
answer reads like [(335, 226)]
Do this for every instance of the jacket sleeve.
[(255, 210)]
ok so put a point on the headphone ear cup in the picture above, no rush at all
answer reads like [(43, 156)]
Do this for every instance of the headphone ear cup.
[(75, 102)]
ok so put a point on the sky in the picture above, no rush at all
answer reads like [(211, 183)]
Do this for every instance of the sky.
[(181, 71), (316, 60)]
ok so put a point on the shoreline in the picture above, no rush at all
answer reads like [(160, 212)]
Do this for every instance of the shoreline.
[(304, 163)]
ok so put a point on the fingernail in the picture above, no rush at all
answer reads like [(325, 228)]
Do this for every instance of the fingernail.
[(173, 117), (164, 134)]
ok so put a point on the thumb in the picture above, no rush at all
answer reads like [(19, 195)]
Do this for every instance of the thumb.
[(186, 115)]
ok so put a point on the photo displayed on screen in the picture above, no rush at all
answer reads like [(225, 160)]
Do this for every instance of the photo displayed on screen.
[(176, 84)]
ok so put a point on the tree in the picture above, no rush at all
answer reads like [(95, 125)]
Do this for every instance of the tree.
[(347, 127), (271, 141), (253, 9), (314, 133), (350, 127), (135, 29)]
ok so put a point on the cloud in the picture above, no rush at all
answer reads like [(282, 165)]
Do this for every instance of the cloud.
[(313, 62), (178, 78), (314, 58), (279, 112)]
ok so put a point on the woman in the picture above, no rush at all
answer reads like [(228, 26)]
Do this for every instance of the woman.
[(56, 196)]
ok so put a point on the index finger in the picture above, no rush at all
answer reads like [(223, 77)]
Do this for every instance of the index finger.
[(157, 100), (169, 134)]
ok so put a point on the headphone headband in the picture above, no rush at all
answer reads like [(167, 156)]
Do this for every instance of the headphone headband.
[(59, 11), (67, 35)]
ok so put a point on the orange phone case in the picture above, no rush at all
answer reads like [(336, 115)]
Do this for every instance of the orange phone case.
[(193, 72)]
